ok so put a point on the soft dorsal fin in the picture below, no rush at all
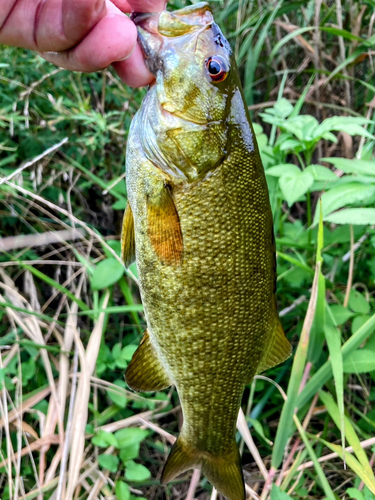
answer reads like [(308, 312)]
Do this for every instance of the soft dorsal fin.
[(128, 237), (145, 373), (164, 228), (277, 350)]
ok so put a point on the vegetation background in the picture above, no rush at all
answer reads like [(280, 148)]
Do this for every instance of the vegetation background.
[(70, 316)]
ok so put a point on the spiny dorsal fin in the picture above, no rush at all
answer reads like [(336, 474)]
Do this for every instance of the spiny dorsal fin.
[(278, 349), (223, 472), (145, 373), (128, 237), (164, 228)]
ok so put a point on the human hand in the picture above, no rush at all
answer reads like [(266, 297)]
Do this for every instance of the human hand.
[(80, 35)]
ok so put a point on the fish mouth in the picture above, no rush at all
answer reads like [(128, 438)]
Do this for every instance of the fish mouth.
[(154, 29)]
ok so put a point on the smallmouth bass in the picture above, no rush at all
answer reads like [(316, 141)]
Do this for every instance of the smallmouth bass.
[(199, 226)]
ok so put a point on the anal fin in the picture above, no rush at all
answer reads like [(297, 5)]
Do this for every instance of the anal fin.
[(145, 373), (164, 228), (278, 349), (128, 237), (223, 472)]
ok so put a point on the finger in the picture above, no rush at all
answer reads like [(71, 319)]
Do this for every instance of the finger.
[(147, 5), (49, 24), (133, 71), (112, 39)]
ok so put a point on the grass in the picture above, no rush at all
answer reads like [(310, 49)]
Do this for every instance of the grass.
[(71, 318)]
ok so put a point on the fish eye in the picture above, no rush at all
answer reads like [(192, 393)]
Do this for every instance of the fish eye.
[(217, 68)]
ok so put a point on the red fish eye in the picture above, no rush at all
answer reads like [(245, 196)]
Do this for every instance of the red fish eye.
[(217, 68)]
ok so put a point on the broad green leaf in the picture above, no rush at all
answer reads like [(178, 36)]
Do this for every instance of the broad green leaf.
[(320, 173), (352, 166), (302, 126), (354, 493), (28, 369), (106, 273), (129, 452), (342, 196), (293, 186), (122, 491), (283, 169), (361, 361), (358, 303), (103, 439), (109, 462), (356, 216), (136, 472), (128, 351), (283, 108), (118, 396), (335, 122), (278, 494), (340, 313), (130, 436)]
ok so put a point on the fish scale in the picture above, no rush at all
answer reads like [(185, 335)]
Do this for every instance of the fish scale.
[(204, 245)]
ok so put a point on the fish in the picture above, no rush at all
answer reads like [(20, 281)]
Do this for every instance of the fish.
[(199, 226)]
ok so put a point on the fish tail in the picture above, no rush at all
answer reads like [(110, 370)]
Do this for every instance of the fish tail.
[(223, 471)]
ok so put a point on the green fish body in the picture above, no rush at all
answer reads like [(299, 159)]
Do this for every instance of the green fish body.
[(199, 226)]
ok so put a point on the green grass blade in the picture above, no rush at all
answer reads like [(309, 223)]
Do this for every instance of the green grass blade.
[(252, 60), (350, 433), (318, 468), (353, 463), (325, 371)]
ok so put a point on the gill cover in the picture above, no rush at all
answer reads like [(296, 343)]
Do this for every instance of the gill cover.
[(185, 127)]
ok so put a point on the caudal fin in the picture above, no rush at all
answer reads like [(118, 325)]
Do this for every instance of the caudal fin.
[(224, 472)]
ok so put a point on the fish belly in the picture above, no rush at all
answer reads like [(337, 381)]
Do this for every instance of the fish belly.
[(209, 317)]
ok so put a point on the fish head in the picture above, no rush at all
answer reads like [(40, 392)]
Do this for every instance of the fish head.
[(185, 115)]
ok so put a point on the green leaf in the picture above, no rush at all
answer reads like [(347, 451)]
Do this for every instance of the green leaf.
[(302, 126), (341, 314), (352, 166), (28, 369), (325, 371), (122, 491), (361, 361), (344, 195), (278, 494), (128, 351), (109, 462), (283, 169), (320, 173), (118, 396), (283, 108), (136, 472), (103, 439), (259, 430), (130, 436), (106, 273), (356, 216), (350, 433), (293, 186), (354, 493), (129, 452), (358, 303)]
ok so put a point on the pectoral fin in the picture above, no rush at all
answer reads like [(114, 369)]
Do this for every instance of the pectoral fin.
[(145, 373), (128, 237), (164, 228), (277, 350)]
